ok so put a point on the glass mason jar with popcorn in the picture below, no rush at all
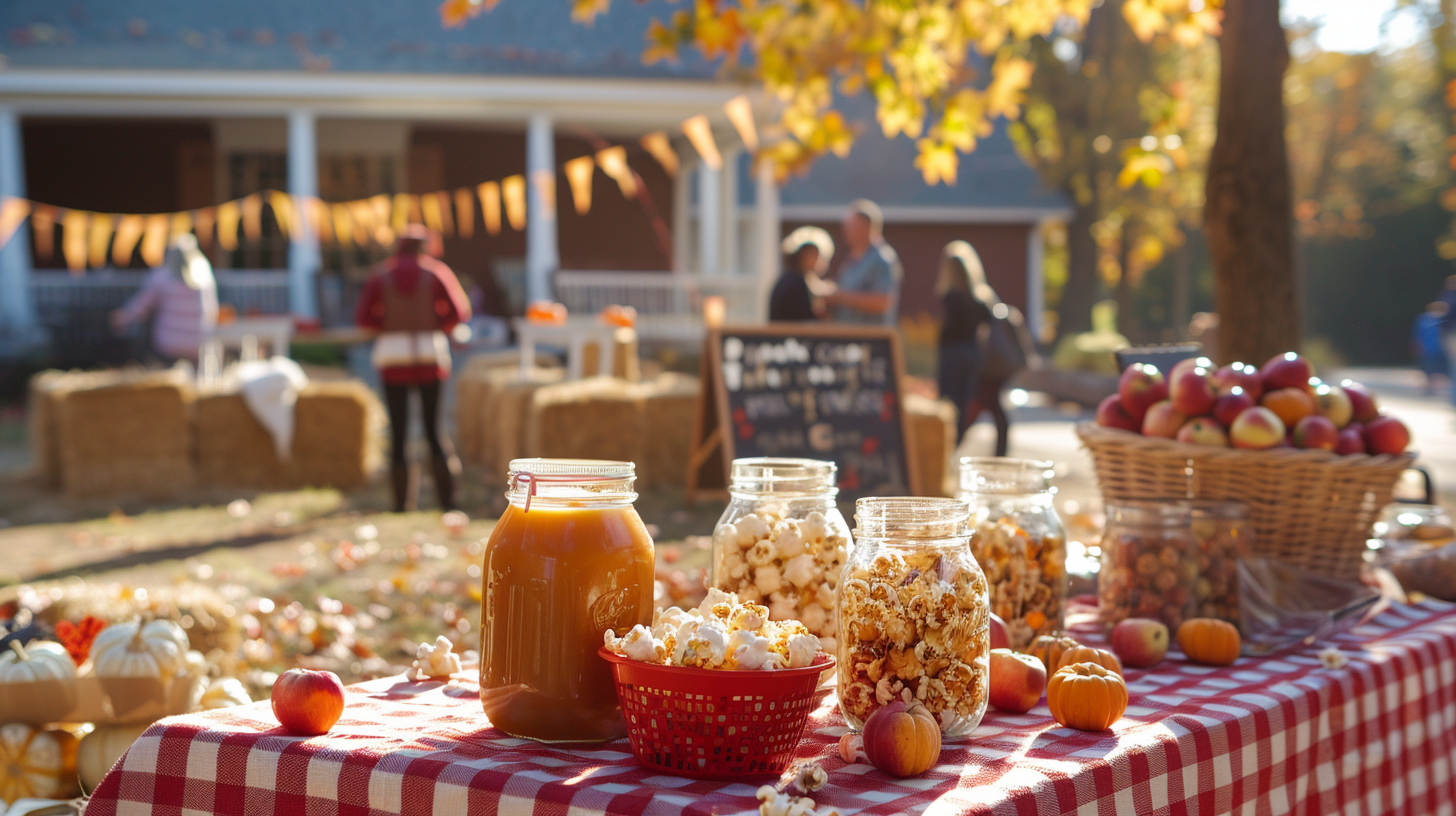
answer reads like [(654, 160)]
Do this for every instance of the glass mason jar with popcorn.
[(782, 541), (914, 613), (1019, 541)]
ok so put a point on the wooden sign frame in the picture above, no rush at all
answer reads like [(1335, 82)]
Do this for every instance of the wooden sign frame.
[(712, 431)]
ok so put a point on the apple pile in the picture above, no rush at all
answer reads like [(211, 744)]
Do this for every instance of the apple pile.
[(1282, 405)]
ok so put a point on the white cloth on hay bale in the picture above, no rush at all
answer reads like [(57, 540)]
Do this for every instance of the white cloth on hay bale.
[(270, 389)]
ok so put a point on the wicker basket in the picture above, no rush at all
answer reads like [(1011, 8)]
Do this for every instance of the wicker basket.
[(1309, 508)]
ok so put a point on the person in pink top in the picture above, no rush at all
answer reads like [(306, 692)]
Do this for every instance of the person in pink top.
[(181, 298), (413, 302)]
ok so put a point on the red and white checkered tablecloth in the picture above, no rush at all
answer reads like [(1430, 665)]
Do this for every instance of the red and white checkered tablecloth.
[(1275, 735)]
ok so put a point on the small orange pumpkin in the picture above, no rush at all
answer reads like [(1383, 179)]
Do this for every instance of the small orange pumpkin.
[(902, 739), (1087, 654), (1048, 649), (1209, 641), (1086, 696)]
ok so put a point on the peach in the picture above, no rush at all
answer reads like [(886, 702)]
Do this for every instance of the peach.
[(1334, 404), (1203, 431), (1238, 375), (1256, 429), (308, 702), (1351, 439), (1112, 414), (1191, 391), (1138, 642), (1227, 408), (1386, 434), (1288, 370), (1291, 404), (1362, 402), (999, 638), (902, 739), (1163, 420), (1017, 681), (1140, 386), (1316, 432)]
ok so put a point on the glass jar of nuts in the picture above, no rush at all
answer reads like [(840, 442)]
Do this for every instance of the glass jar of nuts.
[(914, 614), (782, 541), (1019, 541), (1149, 563), (1223, 533)]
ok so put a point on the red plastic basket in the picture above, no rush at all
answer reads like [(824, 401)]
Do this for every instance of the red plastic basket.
[(715, 724)]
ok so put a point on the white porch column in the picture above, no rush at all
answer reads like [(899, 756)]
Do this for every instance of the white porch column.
[(682, 220), (767, 228), (304, 259), (542, 257), (1035, 291), (731, 231), (710, 221), (18, 325)]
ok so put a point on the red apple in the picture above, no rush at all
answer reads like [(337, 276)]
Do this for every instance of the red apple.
[(1386, 434), (1137, 642), (999, 639), (1191, 391), (1140, 386), (1228, 407), (1334, 404), (1017, 681), (1351, 439), (1111, 414), (1257, 428), (1188, 365), (308, 702), (1362, 401), (1316, 432), (1163, 420), (1203, 431), (1238, 375), (1288, 370), (1291, 404)]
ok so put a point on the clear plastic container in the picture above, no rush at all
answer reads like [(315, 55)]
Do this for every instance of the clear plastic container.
[(1223, 533), (568, 560), (1149, 563), (1019, 541), (914, 614), (783, 543)]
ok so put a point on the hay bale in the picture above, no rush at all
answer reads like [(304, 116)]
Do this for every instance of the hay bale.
[(506, 413), (596, 418), (471, 388), (42, 401), (932, 433), (337, 440), (669, 404), (131, 435), (626, 361)]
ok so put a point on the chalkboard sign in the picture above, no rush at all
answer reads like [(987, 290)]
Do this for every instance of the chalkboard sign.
[(817, 392)]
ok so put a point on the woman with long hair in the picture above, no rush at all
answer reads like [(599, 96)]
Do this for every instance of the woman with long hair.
[(806, 254), (965, 372), (413, 302), (181, 298)]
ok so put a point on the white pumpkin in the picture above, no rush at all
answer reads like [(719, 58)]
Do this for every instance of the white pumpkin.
[(154, 649), (225, 693), (101, 748), (41, 660), (36, 762)]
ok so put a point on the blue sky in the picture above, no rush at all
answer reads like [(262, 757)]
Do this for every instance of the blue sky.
[(1354, 25)]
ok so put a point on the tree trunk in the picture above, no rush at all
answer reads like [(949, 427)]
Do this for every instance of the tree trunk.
[(1074, 312), (1248, 209)]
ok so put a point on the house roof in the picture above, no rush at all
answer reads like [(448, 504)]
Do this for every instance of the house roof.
[(518, 37)]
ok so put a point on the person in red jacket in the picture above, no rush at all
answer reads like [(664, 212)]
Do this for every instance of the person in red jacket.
[(413, 302)]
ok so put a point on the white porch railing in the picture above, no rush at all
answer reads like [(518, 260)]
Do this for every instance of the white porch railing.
[(668, 304)]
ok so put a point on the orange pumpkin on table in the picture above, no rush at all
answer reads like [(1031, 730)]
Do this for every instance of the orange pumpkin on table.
[(1086, 696), (1049, 648), (546, 312), (1087, 654), (1209, 641)]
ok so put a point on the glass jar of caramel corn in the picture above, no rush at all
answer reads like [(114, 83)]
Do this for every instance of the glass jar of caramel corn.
[(568, 560), (1149, 563), (1224, 534), (914, 615), (782, 542), (1019, 541)]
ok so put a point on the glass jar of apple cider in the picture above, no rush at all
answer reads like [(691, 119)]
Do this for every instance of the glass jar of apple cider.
[(569, 559)]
